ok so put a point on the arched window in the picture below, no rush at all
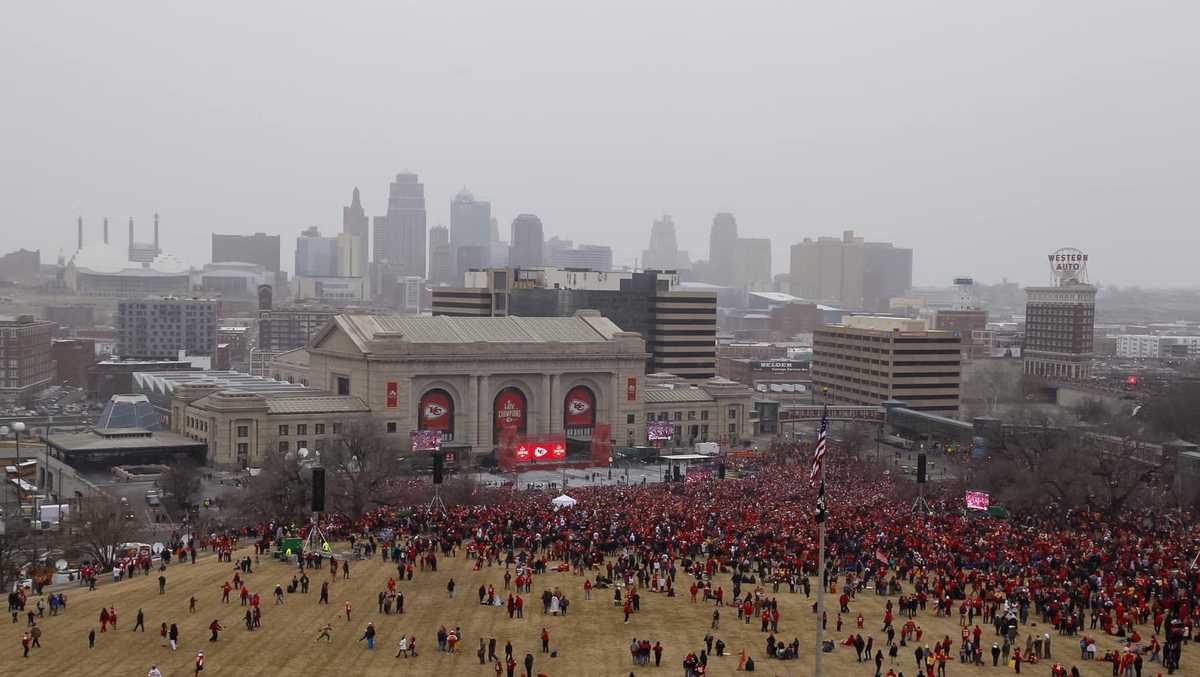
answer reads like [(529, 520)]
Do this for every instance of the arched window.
[(435, 411), (509, 413), (579, 413)]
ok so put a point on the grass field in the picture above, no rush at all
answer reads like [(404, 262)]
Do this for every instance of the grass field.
[(591, 640)]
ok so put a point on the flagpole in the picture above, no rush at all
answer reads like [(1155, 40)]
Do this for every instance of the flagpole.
[(821, 586), (822, 516)]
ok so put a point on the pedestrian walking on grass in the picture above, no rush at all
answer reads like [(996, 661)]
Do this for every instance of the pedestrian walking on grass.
[(141, 622), (369, 635)]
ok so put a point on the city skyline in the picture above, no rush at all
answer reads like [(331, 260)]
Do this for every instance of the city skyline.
[(975, 137)]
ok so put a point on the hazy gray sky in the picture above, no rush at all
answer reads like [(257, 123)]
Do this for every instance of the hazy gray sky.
[(982, 134)]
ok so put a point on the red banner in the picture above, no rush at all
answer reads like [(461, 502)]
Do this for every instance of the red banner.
[(393, 394), (509, 412), (579, 408), (436, 411), (543, 449), (631, 389)]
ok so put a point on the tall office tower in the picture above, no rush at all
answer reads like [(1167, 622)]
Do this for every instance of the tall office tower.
[(1060, 321), (258, 248), (400, 235), (316, 256), (349, 253), (355, 222), (470, 233), (494, 229), (552, 250), (441, 260), (526, 248), (664, 253), (752, 270), (850, 272), (722, 249)]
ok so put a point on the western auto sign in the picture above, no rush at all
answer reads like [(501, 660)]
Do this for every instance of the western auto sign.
[(579, 408), (436, 411), (542, 449), (509, 411), (631, 389), (393, 394)]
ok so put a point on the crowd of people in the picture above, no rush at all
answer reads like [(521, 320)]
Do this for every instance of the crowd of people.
[(1123, 589)]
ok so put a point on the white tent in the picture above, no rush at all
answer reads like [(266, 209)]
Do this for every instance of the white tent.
[(564, 501)]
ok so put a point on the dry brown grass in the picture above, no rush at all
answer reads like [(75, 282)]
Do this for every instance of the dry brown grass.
[(592, 640)]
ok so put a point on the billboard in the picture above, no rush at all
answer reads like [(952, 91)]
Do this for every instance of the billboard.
[(579, 408), (509, 412), (426, 440), (436, 411), (657, 431), (393, 394), (631, 389), (978, 500), (540, 449)]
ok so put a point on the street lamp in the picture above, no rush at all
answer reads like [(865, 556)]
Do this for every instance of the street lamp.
[(17, 429)]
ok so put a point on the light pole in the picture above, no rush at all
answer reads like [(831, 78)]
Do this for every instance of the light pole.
[(17, 429)]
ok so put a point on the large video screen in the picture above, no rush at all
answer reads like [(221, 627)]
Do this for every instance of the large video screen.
[(426, 440), (978, 500), (657, 431)]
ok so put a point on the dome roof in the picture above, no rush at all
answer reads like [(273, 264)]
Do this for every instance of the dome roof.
[(101, 258), (168, 263), (107, 259)]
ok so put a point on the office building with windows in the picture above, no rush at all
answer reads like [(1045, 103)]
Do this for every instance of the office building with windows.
[(868, 360)]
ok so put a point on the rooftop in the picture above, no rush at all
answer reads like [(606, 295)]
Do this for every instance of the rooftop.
[(321, 404), (657, 395), (126, 439), (440, 329)]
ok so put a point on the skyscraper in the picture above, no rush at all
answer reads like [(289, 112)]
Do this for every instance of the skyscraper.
[(441, 260), (355, 222), (316, 256), (400, 234), (664, 253), (722, 249), (526, 248), (753, 264), (850, 272), (470, 232)]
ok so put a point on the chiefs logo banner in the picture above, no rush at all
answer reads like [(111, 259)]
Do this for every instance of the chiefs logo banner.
[(579, 408), (541, 449), (436, 410), (393, 394)]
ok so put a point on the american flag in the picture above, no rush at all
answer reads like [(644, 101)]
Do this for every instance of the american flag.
[(819, 452)]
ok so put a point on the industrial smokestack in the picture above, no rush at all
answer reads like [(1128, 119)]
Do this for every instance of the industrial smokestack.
[(156, 249), (106, 230)]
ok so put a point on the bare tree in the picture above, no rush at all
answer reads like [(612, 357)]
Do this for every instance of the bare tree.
[(16, 550), (361, 468), (182, 484), (279, 491), (98, 527), (993, 382)]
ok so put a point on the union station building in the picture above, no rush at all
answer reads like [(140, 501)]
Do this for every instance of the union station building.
[(475, 380)]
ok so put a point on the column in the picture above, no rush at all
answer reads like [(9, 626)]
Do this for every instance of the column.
[(556, 404), (471, 404), (544, 406), (483, 416)]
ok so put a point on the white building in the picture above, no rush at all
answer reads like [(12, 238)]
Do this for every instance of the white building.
[(1149, 346)]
